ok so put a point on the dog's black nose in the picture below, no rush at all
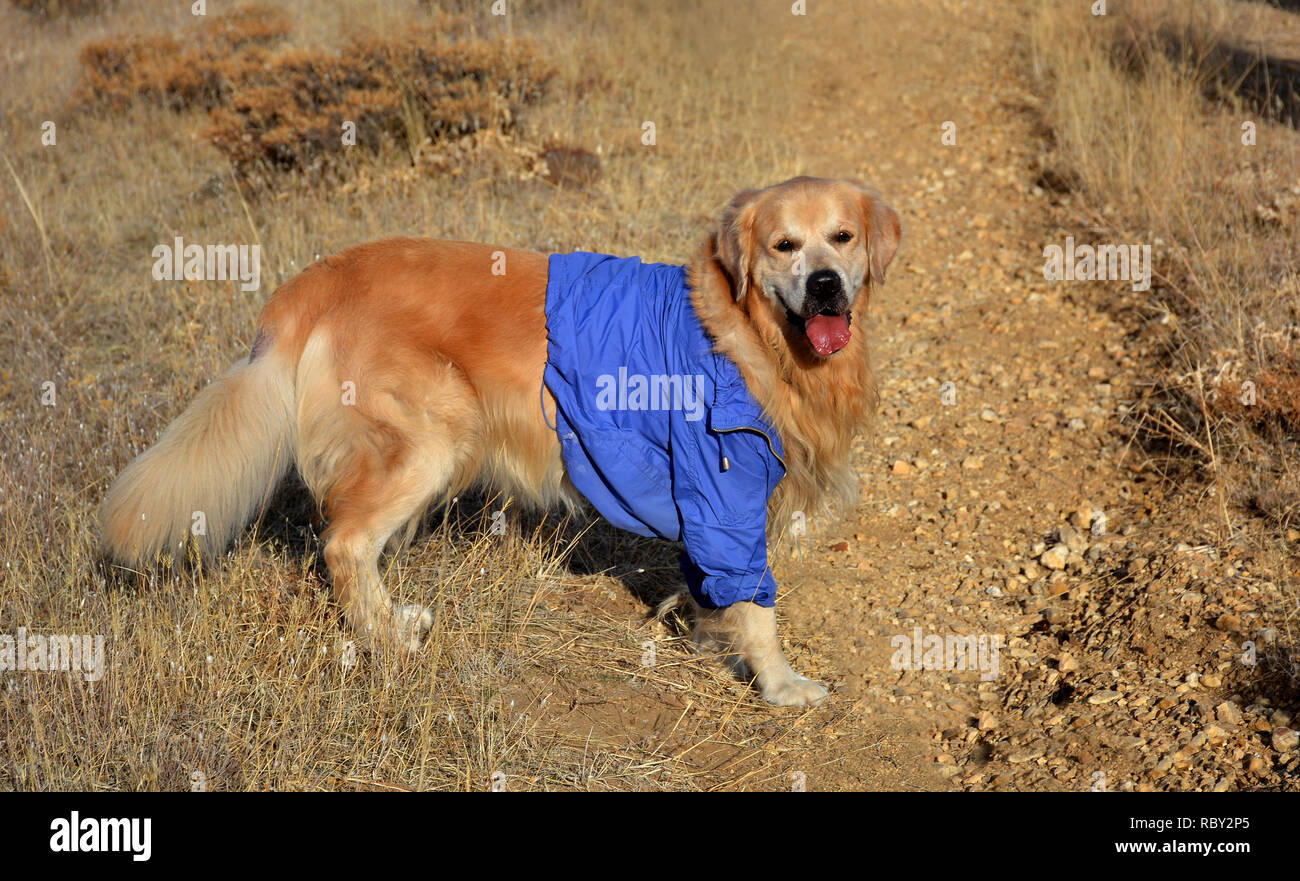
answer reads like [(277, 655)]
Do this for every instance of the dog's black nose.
[(824, 285)]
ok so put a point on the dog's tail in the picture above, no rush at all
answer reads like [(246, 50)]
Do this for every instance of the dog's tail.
[(210, 471)]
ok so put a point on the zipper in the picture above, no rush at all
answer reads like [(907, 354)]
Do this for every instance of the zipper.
[(726, 463)]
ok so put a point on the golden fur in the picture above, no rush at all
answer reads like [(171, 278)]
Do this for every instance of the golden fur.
[(818, 405), (398, 373)]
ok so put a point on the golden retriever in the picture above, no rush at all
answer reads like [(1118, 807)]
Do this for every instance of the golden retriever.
[(402, 372)]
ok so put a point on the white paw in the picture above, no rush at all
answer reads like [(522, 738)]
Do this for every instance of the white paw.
[(411, 623), (795, 692)]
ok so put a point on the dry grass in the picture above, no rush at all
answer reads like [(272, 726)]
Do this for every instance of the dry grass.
[(236, 673), (1145, 109)]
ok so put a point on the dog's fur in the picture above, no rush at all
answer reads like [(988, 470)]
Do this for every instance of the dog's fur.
[(400, 373)]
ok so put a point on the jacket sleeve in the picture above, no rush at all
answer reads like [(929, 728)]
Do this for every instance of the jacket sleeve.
[(724, 515)]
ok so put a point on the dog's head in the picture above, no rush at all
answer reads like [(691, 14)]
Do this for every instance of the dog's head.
[(811, 248)]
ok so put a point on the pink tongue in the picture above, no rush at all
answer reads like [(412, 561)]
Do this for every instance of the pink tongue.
[(828, 333)]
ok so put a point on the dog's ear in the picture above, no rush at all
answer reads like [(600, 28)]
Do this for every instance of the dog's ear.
[(735, 241), (883, 231)]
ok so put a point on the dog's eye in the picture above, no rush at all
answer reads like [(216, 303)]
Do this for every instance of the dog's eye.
[(785, 245), (844, 236)]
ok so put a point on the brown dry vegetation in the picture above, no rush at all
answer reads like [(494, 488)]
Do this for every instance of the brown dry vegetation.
[(287, 108), (1145, 110), (200, 68)]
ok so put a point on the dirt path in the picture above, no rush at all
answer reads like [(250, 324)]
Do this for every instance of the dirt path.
[(985, 373)]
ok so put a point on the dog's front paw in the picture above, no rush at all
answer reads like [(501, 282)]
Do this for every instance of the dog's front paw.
[(411, 624), (794, 692)]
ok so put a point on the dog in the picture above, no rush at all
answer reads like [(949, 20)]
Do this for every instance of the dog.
[(714, 403)]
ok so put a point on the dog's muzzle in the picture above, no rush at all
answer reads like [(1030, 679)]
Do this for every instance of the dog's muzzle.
[(824, 314)]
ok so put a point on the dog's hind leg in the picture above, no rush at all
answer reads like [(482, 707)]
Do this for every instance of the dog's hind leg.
[(375, 464), (364, 514)]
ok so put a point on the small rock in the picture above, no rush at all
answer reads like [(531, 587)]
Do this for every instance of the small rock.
[(901, 467), (1081, 517), (1213, 732), (1028, 754), (1104, 697), (1055, 557), (987, 722), (1073, 539), (840, 546), (1228, 713), (1067, 663), (1285, 739)]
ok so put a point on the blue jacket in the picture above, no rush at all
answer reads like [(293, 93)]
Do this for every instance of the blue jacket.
[(658, 431)]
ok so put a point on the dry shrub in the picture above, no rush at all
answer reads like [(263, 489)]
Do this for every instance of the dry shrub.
[(1273, 397), (298, 109), (286, 109), (1149, 158), (410, 89), (203, 71)]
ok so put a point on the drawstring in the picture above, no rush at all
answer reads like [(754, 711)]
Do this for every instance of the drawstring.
[(722, 450), (541, 396)]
